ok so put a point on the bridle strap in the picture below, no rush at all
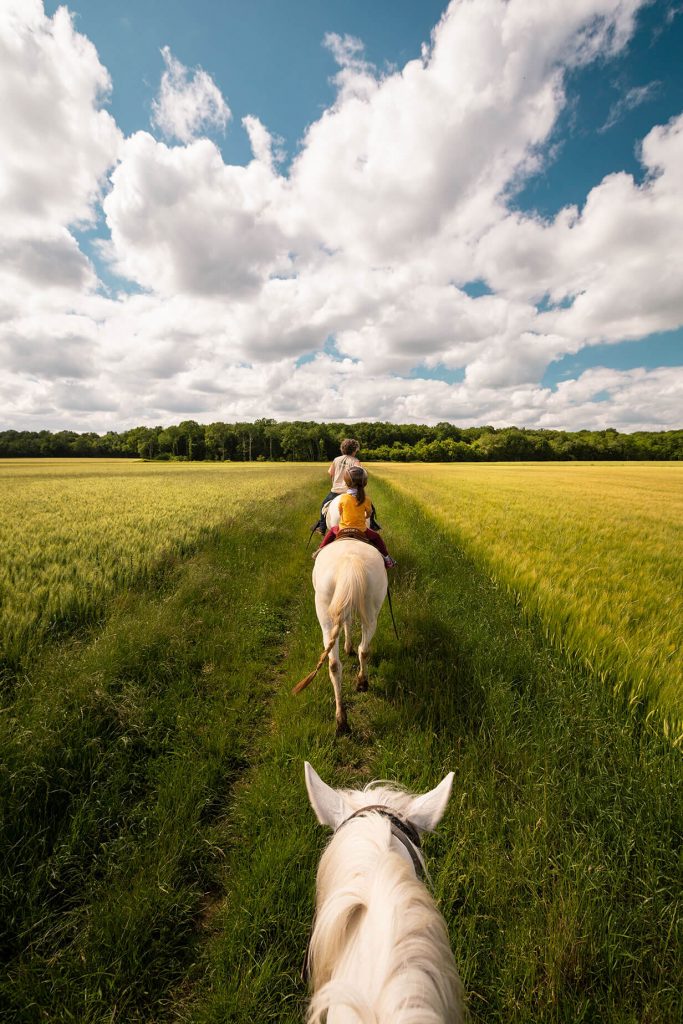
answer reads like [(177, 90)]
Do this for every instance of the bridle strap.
[(403, 830)]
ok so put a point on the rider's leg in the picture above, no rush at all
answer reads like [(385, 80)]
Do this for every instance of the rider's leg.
[(321, 525), (329, 537), (375, 539)]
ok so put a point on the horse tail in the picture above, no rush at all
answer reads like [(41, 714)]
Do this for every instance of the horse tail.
[(348, 598), (333, 994), (303, 683)]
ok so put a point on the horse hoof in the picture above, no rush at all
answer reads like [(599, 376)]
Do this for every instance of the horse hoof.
[(362, 686), (351, 653), (343, 728)]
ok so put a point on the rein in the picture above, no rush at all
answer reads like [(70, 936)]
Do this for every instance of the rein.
[(391, 609)]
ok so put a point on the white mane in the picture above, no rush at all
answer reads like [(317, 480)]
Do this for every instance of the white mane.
[(379, 952)]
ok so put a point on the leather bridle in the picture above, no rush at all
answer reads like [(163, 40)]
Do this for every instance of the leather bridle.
[(401, 828)]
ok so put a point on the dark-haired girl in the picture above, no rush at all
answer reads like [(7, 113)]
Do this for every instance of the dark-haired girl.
[(354, 507), (336, 470)]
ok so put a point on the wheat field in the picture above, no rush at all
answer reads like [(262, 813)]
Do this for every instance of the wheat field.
[(74, 531), (594, 549)]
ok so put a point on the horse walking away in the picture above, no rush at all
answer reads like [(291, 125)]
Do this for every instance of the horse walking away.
[(350, 581), (379, 951)]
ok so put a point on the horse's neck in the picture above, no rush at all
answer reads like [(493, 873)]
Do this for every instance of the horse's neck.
[(359, 879), (379, 941)]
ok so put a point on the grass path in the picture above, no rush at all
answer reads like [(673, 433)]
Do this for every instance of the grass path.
[(557, 866)]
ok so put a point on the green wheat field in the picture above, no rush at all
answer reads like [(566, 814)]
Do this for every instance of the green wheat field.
[(157, 850)]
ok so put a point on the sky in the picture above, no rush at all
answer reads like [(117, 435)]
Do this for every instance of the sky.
[(341, 211)]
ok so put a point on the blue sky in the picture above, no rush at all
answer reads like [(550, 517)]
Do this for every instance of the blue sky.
[(266, 56), (411, 257)]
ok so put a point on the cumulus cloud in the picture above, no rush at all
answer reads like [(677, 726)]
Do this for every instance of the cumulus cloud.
[(398, 197), (188, 105), (612, 271), (57, 140), (183, 221)]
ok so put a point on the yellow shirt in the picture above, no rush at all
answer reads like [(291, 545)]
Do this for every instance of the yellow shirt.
[(351, 514)]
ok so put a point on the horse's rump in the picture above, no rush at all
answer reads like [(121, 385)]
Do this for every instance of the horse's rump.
[(349, 580), (349, 595)]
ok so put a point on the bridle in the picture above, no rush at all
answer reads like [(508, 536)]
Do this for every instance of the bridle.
[(401, 829)]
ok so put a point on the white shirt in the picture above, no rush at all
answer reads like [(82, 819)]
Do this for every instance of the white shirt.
[(341, 464)]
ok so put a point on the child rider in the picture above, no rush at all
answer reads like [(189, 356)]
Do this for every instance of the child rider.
[(354, 506)]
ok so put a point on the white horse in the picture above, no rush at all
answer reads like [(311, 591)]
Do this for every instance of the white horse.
[(350, 580), (379, 952)]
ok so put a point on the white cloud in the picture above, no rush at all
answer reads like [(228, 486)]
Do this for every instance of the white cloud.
[(617, 263), (629, 101), (183, 221), (397, 198), (187, 107), (56, 140)]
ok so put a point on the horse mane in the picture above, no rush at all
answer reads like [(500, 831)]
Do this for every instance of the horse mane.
[(380, 946)]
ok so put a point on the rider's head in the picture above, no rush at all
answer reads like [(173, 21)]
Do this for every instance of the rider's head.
[(349, 446), (357, 478)]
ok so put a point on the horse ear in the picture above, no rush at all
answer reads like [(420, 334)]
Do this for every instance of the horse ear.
[(326, 802), (427, 811)]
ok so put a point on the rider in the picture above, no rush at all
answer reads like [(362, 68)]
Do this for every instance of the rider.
[(347, 460), (354, 506)]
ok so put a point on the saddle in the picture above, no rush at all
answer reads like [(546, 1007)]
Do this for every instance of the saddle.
[(353, 534)]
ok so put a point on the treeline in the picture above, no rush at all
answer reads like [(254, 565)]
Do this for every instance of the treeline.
[(269, 440)]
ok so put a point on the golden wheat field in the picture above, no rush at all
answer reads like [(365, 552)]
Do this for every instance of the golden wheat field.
[(595, 550), (74, 531)]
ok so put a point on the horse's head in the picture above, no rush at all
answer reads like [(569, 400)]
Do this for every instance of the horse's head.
[(334, 806), (380, 947)]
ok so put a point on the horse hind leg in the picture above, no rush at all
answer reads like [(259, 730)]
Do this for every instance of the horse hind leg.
[(348, 642), (335, 670), (340, 710), (364, 655)]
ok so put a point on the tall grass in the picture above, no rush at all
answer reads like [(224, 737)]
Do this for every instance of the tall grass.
[(596, 551), (73, 532), (158, 852), (119, 759)]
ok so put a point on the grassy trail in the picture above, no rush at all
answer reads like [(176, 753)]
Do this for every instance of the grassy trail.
[(162, 852), (557, 865)]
